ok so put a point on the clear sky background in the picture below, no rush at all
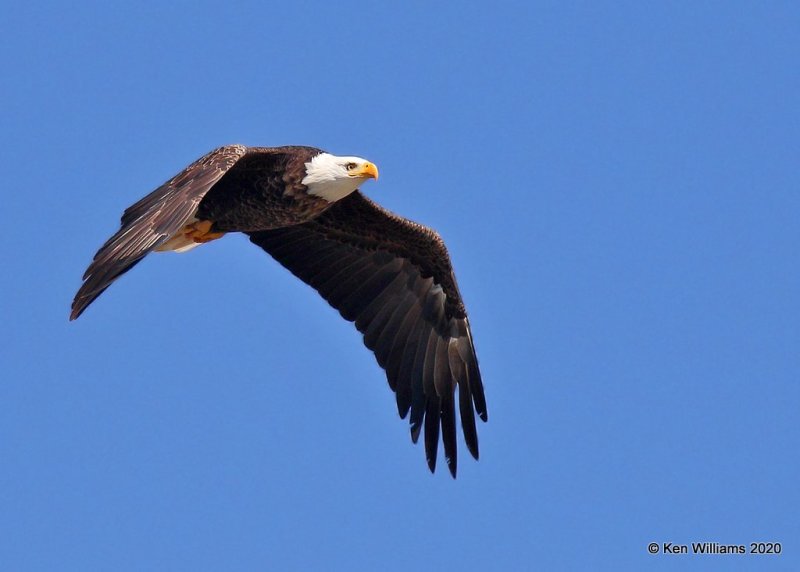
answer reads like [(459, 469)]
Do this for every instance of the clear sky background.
[(617, 184)]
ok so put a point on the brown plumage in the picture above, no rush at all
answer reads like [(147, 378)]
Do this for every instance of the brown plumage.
[(390, 276)]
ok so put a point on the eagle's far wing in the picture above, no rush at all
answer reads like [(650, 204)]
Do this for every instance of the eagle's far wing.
[(152, 221), (393, 278)]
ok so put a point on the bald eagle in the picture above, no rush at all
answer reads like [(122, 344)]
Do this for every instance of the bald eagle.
[(390, 276)]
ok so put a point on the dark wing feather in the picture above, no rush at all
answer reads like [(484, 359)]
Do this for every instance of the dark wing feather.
[(393, 278), (151, 221)]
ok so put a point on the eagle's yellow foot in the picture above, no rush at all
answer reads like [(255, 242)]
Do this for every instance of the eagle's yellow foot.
[(200, 232)]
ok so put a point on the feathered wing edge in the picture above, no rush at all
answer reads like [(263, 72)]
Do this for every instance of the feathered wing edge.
[(371, 266), (150, 222)]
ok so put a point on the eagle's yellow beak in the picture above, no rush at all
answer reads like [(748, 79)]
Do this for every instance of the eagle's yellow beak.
[(368, 170)]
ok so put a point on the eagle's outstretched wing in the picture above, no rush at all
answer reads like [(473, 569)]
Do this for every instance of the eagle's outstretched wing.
[(152, 221), (393, 278)]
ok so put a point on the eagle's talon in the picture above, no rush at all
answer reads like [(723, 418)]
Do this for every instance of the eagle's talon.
[(200, 232)]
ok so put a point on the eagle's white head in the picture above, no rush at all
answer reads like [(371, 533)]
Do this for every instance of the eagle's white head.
[(333, 178)]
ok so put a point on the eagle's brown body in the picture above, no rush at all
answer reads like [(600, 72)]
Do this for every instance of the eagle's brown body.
[(263, 191)]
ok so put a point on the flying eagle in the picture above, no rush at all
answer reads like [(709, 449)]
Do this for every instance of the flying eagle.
[(390, 276)]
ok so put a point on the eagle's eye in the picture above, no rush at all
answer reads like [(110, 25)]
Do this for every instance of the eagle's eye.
[(350, 166)]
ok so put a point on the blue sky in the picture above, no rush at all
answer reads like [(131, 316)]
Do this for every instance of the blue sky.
[(617, 185)]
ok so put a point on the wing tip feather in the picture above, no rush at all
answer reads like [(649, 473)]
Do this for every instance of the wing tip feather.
[(452, 466)]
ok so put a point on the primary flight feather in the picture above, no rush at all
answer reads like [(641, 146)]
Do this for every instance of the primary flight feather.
[(390, 276)]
